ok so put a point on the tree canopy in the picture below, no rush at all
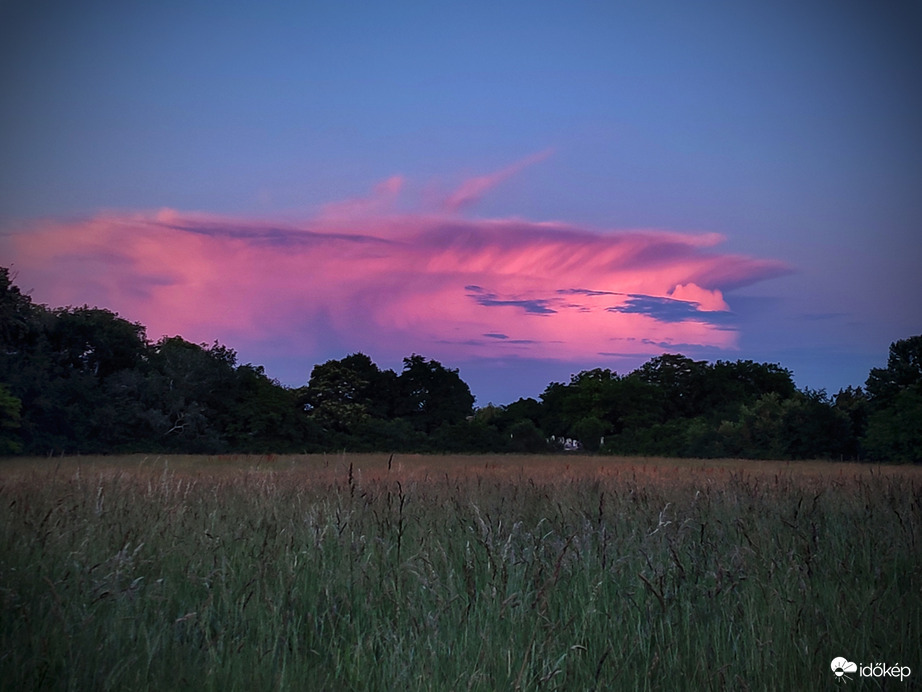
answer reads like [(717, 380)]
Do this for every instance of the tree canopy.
[(894, 396), (86, 380)]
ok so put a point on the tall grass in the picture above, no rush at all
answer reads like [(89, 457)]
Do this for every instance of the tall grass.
[(487, 573)]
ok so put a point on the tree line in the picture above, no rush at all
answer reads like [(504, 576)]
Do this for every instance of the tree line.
[(84, 380)]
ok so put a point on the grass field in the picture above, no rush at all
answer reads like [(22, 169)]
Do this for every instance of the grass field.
[(337, 572)]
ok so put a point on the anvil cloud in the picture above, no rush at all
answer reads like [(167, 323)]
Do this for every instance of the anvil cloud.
[(359, 276)]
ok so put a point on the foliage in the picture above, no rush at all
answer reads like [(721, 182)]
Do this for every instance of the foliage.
[(895, 404), (85, 380), (432, 395), (895, 430), (852, 402), (378, 409), (10, 420), (344, 393)]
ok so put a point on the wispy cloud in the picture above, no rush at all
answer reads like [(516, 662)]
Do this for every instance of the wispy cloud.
[(472, 189), (360, 277)]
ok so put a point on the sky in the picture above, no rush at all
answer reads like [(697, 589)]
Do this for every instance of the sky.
[(519, 190)]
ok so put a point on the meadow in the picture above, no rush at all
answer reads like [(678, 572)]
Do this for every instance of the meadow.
[(380, 572)]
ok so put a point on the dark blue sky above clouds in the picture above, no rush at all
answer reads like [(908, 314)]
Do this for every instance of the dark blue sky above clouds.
[(304, 180)]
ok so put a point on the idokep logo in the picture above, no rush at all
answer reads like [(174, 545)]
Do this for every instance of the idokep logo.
[(842, 667)]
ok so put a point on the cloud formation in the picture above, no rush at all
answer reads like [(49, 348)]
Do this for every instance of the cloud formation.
[(472, 189), (359, 277)]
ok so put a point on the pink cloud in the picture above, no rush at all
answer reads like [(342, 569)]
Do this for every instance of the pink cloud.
[(703, 298), (378, 203), (360, 278), (472, 189)]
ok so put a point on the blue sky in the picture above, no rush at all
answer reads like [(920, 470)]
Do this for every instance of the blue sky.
[(787, 134)]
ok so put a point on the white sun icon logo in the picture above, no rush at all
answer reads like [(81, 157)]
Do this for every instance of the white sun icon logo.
[(840, 666)]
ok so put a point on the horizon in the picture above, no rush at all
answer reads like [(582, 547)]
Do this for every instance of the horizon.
[(520, 192)]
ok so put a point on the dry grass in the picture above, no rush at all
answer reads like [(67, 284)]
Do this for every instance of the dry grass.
[(323, 469), (453, 572)]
